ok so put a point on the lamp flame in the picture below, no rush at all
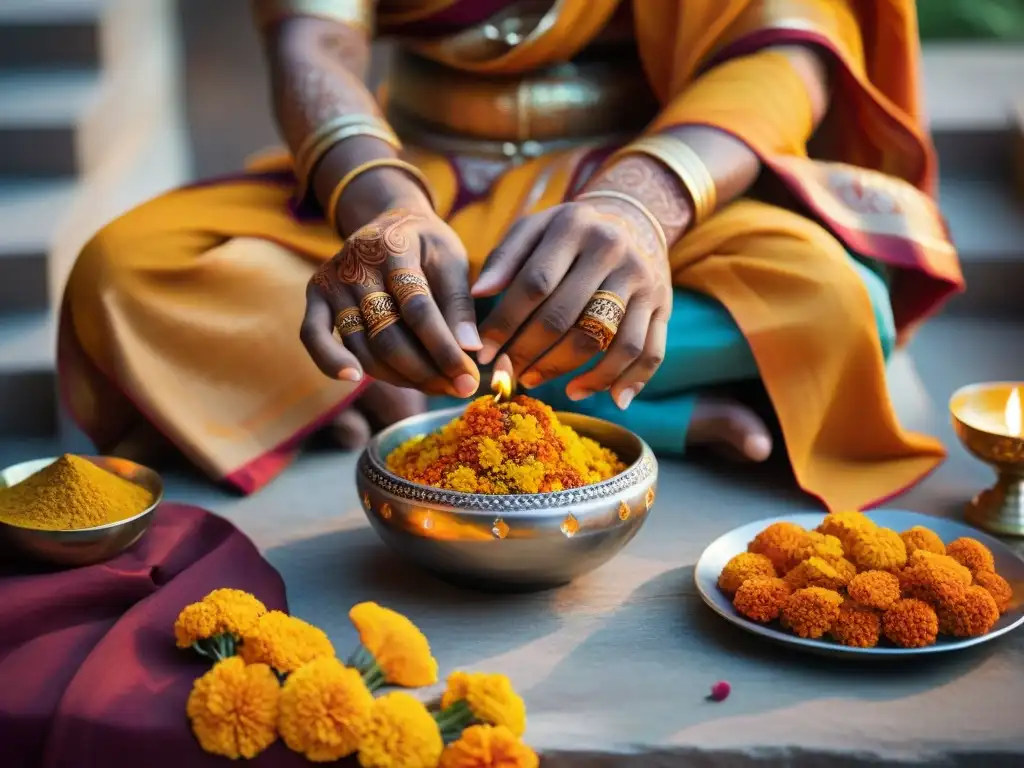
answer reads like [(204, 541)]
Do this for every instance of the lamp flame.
[(501, 384), (1012, 414)]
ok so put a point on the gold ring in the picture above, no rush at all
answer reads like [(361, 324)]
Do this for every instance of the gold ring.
[(601, 317), (406, 283), (349, 321), (380, 311)]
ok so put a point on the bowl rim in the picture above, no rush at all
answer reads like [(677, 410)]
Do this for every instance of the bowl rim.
[(157, 496), (644, 465)]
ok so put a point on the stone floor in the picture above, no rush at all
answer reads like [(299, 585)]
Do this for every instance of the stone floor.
[(614, 667)]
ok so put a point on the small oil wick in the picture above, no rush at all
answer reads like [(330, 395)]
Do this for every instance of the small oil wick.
[(501, 385)]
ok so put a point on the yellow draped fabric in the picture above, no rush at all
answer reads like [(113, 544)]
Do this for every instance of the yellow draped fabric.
[(187, 310)]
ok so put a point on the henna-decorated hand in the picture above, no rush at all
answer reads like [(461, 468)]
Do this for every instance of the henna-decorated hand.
[(550, 265), (398, 294)]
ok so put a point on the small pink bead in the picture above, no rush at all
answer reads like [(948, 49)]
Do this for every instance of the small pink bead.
[(720, 691)]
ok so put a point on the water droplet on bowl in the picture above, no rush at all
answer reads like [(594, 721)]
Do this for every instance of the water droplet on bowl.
[(570, 526), (500, 528)]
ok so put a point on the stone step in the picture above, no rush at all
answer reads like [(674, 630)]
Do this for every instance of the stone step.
[(40, 113), (29, 210), (28, 394), (50, 33), (970, 90), (986, 222)]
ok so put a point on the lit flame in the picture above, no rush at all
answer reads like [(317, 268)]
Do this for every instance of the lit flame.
[(501, 385), (1012, 414)]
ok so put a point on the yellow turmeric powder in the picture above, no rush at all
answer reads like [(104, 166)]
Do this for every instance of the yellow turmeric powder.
[(71, 494), (513, 446)]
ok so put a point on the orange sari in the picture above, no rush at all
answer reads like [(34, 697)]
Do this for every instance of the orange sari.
[(185, 311)]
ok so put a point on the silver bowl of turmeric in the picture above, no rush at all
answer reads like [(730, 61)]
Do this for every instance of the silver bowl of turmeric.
[(76, 510), (507, 496)]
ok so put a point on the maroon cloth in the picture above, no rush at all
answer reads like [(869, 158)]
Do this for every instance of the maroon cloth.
[(89, 673)]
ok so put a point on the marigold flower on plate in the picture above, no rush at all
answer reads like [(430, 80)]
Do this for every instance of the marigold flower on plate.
[(911, 623), (997, 586), (858, 626), (393, 649), (214, 624), (761, 598), (816, 572), (325, 709), (875, 589), (745, 565), (783, 543), (488, 746), (920, 537), (233, 708), (284, 642), (811, 612), (971, 614), (400, 733), (971, 554), (486, 698), (879, 549), (845, 525)]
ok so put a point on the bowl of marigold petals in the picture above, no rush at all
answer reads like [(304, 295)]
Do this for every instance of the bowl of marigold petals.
[(887, 583), (506, 494), (76, 510)]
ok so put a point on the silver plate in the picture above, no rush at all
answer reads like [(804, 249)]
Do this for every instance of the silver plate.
[(1008, 564)]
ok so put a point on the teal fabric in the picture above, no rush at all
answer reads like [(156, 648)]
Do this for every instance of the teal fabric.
[(705, 348)]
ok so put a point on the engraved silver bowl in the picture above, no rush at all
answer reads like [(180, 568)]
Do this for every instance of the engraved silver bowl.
[(83, 546), (516, 542)]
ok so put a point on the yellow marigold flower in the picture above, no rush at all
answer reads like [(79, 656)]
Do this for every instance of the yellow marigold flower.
[(400, 733), (489, 698), (325, 709), (284, 642), (393, 649), (233, 708), (488, 746), (222, 612)]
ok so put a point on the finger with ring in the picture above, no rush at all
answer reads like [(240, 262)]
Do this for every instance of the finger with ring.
[(601, 317), (379, 311)]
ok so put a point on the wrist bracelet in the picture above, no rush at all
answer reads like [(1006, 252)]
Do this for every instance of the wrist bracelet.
[(331, 210), (686, 165), (626, 198)]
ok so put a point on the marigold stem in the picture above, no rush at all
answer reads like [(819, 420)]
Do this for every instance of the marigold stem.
[(374, 677), (455, 717)]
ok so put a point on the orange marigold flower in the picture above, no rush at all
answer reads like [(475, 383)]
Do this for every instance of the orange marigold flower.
[(782, 543), (911, 623), (845, 525), (823, 545), (222, 612), (996, 586), (488, 746), (971, 554), (858, 626), (811, 612), (875, 589), (933, 563), (816, 572), (512, 446), (400, 733), (325, 710), (284, 642), (392, 649), (488, 698), (878, 549), (745, 565), (233, 708), (971, 614), (761, 598), (920, 537)]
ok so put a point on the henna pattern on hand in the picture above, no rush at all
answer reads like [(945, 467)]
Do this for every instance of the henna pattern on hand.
[(625, 216), (653, 185), (368, 248)]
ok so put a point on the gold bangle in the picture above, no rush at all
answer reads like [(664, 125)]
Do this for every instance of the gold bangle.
[(331, 210), (616, 195), (322, 130), (686, 165), (310, 154)]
